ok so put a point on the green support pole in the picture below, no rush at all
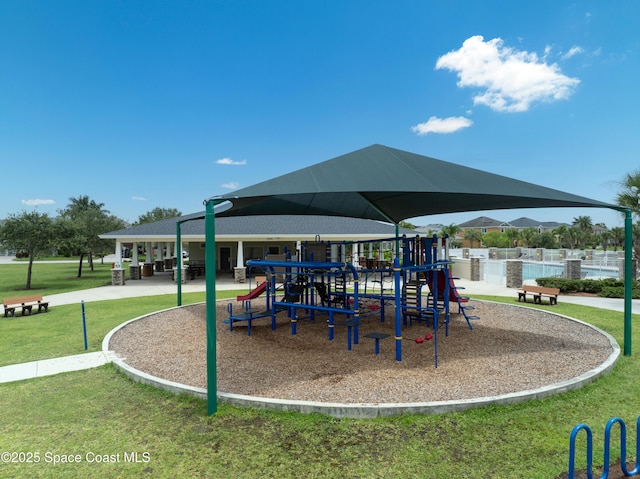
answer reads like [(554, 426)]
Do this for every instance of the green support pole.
[(628, 280), (179, 265), (210, 279)]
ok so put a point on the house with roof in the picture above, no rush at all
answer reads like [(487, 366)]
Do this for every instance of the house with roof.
[(540, 226), (239, 239), (486, 225)]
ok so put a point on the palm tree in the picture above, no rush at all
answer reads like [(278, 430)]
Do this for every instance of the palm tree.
[(605, 238), (528, 235), (629, 198), (584, 225), (617, 237), (473, 235), (452, 230), (562, 233)]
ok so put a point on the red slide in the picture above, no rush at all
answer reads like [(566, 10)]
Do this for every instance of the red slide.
[(254, 293), (453, 291)]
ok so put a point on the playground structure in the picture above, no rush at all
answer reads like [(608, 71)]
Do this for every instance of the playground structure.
[(607, 449), (335, 279)]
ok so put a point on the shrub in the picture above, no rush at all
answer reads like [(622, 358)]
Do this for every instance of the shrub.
[(563, 284), (618, 292), (607, 287)]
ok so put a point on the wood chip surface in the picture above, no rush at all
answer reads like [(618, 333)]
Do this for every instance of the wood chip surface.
[(510, 349)]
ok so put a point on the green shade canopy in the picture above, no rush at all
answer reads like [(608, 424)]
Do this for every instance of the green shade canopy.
[(387, 184)]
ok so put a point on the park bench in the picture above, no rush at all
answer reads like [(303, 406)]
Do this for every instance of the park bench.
[(26, 303), (538, 292)]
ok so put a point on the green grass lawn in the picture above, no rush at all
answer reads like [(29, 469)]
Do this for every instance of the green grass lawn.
[(51, 278), (100, 412)]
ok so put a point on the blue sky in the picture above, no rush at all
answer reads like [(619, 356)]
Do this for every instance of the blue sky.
[(144, 104)]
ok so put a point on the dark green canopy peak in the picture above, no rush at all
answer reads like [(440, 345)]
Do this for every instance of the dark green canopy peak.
[(383, 183)]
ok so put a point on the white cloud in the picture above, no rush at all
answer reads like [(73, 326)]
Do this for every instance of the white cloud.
[(573, 51), (229, 161), (509, 80), (37, 202), (442, 125), (138, 198), (232, 185)]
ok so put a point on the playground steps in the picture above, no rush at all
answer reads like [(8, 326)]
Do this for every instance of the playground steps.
[(463, 307), (469, 318), (412, 303)]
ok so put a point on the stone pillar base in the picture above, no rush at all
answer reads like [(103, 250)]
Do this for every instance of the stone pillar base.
[(117, 277), (240, 274), (135, 272), (183, 274)]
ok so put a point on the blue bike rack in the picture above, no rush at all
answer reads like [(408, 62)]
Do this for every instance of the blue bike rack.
[(607, 449)]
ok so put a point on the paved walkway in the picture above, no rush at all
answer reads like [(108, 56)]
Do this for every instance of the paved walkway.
[(161, 283)]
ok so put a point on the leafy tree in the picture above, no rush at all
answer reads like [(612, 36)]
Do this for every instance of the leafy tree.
[(106, 246), (513, 235), (495, 239), (158, 214), (407, 225), (545, 240), (32, 232), (87, 219)]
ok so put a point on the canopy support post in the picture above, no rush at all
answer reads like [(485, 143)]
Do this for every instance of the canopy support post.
[(210, 297), (628, 280)]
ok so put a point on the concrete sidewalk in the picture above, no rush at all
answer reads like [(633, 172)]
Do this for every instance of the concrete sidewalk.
[(161, 283), (48, 367)]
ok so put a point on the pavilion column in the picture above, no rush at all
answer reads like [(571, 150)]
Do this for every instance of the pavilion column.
[(118, 255), (179, 258), (159, 263), (168, 261), (134, 255), (334, 252), (117, 273), (135, 270), (176, 253), (180, 264), (147, 267), (240, 270)]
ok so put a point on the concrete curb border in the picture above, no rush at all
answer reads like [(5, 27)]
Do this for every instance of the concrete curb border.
[(368, 410)]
